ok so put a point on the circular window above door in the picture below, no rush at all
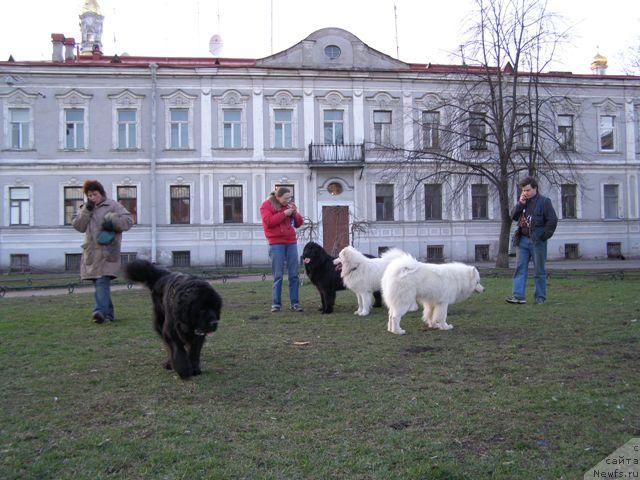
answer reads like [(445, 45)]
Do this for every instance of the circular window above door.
[(334, 188)]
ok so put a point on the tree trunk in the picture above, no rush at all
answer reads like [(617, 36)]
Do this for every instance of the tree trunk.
[(502, 259)]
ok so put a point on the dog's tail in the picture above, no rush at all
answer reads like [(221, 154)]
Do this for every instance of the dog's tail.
[(398, 288), (393, 253), (142, 271)]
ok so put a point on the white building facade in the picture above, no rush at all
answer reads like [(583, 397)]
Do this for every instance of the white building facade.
[(193, 146)]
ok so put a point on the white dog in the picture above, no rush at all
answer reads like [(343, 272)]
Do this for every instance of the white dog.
[(407, 281), (362, 275)]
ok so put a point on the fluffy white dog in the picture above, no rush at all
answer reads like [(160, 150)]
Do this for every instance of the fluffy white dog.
[(362, 275), (407, 281)]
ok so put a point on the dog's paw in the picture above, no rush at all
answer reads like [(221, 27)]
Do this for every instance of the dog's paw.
[(398, 331), (197, 371), (446, 326)]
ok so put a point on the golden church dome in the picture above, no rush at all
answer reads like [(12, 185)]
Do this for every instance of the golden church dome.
[(91, 6), (599, 61)]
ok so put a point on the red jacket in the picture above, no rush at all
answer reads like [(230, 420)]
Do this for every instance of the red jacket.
[(277, 226)]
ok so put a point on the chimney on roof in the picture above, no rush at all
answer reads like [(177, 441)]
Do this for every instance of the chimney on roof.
[(69, 49), (57, 39)]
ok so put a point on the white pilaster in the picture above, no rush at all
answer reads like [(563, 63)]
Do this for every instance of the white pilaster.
[(407, 119), (258, 127), (205, 123), (309, 114), (358, 116)]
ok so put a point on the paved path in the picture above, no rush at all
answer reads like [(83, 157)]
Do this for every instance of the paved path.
[(604, 265)]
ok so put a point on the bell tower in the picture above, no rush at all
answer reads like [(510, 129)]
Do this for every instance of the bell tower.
[(91, 27)]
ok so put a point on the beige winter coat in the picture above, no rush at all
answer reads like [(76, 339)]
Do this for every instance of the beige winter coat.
[(100, 260)]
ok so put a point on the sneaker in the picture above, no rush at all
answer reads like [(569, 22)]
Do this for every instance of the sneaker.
[(539, 301), (275, 309), (98, 317), (297, 308), (513, 299)]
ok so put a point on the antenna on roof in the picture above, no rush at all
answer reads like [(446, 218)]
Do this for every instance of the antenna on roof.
[(271, 27), (395, 13), (215, 43)]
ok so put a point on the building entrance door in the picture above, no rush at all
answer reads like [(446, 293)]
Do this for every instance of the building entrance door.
[(335, 228)]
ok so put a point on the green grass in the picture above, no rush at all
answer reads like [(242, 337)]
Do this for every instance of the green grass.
[(513, 392)]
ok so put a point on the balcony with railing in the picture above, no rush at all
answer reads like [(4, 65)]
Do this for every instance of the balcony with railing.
[(336, 155)]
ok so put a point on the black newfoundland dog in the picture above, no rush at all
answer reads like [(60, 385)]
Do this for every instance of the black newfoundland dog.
[(186, 309), (326, 276)]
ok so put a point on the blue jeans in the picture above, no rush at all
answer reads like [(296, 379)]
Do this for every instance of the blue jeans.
[(279, 254), (526, 250), (102, 295)]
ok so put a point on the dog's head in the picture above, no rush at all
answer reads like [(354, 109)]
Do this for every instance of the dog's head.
[(347, 257), (478, 288), (311, 253), (205, 313)]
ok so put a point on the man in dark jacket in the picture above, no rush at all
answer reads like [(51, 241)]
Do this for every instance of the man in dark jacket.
[(537, 220)]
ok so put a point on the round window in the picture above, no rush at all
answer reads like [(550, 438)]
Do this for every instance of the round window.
[(334, 188), (332, 51)]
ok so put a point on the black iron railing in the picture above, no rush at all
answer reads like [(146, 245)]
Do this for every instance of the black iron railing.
[(332, 155)]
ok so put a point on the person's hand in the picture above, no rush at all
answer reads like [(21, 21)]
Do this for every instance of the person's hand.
[(289, 211), (89, 205), (523, 199)]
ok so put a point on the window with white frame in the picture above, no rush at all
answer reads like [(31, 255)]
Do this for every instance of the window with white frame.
[(283, 128), (289, 186), (73, 198), (179, 128), (430, 129), (19, 206), (607, 133), (179, 108), (568, 193), (20, 123), (127, 129), (384, 202), (611, 201), (333, 127), (523, 132), (232, 128), (232, 203), (180, 205), (479, 202), (127, 196), (433, 201), (382, 127), (477, 131), (74, 128), (565, 133)]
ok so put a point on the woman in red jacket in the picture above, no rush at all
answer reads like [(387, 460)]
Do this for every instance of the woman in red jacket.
[(280, 218)]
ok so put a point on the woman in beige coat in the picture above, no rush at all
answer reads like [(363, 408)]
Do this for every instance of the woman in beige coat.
[(102, 220)]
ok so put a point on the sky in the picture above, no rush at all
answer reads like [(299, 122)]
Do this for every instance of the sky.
[(428, 30)]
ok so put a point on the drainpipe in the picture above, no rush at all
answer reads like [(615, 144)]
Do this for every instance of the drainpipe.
[(154, 121)]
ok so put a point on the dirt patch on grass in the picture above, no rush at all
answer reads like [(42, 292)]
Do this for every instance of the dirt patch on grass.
[(418, 349)]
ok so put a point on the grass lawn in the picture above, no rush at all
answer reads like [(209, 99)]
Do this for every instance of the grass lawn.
[(513, 392)]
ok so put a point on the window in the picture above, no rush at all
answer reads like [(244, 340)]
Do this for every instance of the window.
[(614, 250), (568, 194), (233, 258), (291, 188), (127, 196), (332, 51), (479, 202), (19, 206), (382, 127), (430, 128), (607, 137), (571, 251), (19, 262), (232, 203), (127, 257), (73, 198), (74, 127), (180, 204), (333, 127), (127, 139), (435, 253), (381, 250), (72, 262), (179, 127), (482, 253), (477, 131), (283, 128), (610, 193), (19, 127), (232, 127), (181, 258), (384, 202), (433, 201), (565, 132), (522, 135)]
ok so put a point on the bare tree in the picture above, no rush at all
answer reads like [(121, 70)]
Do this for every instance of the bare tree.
[(498, 121)]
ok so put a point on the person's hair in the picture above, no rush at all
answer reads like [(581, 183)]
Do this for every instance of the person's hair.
[(93, 186), (528, 181), (278, 192)]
